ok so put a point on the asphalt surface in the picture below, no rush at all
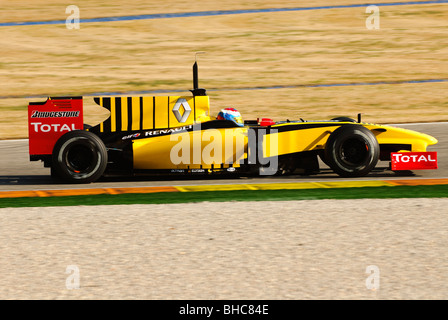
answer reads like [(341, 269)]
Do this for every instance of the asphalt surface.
[(18, 173)]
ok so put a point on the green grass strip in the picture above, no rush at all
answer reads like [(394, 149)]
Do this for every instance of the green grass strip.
[(434, 191)]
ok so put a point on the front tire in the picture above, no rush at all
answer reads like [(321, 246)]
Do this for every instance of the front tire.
[(79, 157), (352, 151), (343, 119)]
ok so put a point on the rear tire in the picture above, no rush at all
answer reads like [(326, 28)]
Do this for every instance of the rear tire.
[(79, 157), (352, 151)]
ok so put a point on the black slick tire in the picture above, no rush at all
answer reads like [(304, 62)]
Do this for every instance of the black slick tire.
[(352, 151), (79, 157)]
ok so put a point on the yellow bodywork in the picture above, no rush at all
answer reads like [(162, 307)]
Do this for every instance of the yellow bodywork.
[(166, 140), (393, 135), (149, 113), (229, 146), (315, 138), (207, 149), (295, 140), (199, 149)]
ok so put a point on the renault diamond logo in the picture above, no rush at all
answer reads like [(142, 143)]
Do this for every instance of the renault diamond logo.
[(176, 110)]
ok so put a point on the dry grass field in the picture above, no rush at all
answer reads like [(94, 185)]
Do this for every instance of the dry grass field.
[(244, 50)]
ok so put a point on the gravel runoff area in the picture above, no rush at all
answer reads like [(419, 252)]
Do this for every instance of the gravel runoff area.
[(326, 249)]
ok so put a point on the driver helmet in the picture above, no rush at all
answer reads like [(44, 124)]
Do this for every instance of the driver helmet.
[(231, 114)]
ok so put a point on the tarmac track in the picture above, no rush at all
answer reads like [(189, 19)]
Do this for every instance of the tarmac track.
[(18, 173)]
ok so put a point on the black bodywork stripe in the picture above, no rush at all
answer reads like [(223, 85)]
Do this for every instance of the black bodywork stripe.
[(304, 126), (216, 124), (141, 113), (153, 112), (107, 124), (130, 122), (168, 111), (194, 109), (118, 113)]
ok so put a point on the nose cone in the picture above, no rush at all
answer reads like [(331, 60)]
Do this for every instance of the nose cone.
[(419, 140), (430, 140)]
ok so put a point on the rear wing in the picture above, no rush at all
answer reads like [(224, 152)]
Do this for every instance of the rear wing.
[(49, 120)]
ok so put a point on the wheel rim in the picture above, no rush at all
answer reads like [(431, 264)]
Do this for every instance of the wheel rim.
[(353, 152), (80, 159)]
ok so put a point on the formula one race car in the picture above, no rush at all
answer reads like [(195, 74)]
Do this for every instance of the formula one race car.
[(176, 135)]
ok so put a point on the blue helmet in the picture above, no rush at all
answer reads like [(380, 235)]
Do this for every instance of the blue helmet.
[(231, 114)]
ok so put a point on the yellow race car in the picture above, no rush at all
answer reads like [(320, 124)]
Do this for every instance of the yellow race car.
[(177, 135)]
